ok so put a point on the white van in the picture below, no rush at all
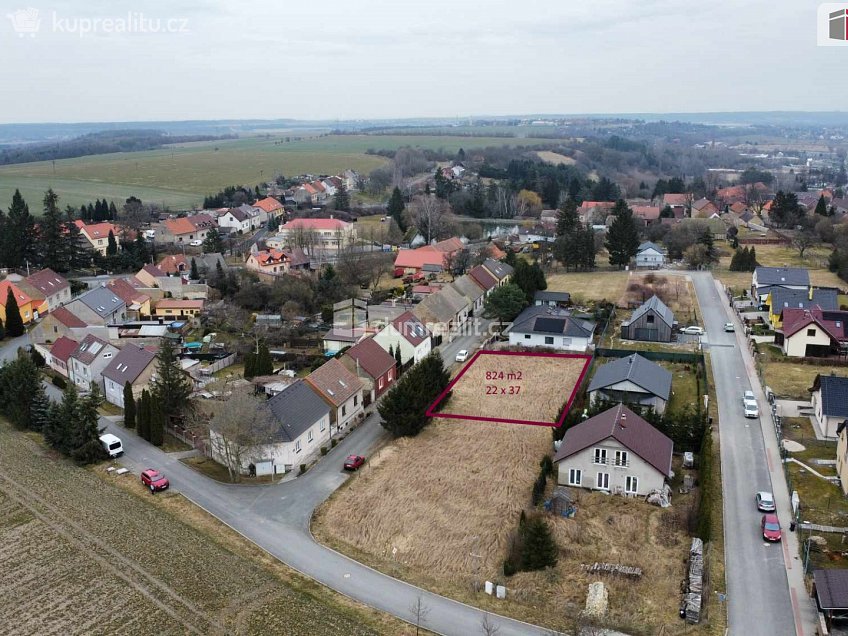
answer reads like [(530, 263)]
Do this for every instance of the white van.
[(112, 445)]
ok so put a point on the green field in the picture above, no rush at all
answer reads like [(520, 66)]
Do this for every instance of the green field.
[(180, 176)]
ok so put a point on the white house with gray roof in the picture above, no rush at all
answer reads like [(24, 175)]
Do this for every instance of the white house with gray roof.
[(650, 255), (765, 279), (632, 380), (302, 427), (99, 306), (132, 364), (551, 327)]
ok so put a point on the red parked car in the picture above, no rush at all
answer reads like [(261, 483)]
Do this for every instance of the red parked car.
[(353, 462), (770, 526), (154, 480)]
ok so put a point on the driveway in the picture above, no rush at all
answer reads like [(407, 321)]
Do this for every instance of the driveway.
[(763, 580)]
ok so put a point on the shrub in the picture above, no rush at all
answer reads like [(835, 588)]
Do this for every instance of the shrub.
[(302, 469), (333, 443), (509, 567), (324, 450), (547, 465), (59, 381)]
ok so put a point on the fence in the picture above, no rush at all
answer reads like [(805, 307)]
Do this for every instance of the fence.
[(666, 356), (223, 363)]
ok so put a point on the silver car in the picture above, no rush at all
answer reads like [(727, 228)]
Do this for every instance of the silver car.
[(765, 501)]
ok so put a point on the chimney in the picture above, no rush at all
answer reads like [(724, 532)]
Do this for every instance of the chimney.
[(623, 420)]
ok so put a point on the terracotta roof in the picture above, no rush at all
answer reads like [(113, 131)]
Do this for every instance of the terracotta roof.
[(64, 315), (588, 205), (153, 271), (63, 348), (269, 204), (450, 245), (647, 212), (126, 291), (48, 282), (188, 224), (128, 364), (315, 224), (628, 429), (100, 230), (334, 382), (411, 328), (294, 256), (372, 358), (174, 264), (23, 292), (308, 188), (483, 278), (176, 303), (418, 258), (318, 186), (673, 199)]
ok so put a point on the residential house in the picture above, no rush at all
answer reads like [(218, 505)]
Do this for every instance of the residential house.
[(207, 263), (178, 308), (475, 294), (652, 321), (552, 299), (186, 229), (99, 306), (341, 390), (339, 338), (765, 279), (149, 276), (88, 361), (257, 215), (132, 364), (650, 255), (616, 451), (813, 332), (304, 194), (780, 298), (236, 220), (830, 590), (60, 355), (50, 286), (96, 235), (444, 312), (704, 209), (483, 278), (632, 380), (175, 264), (320, 194), (830, 403), (594, 212), (277, 262), (839, 206), (501, 271), (679, 203), (137, 302), (272, 208), (373, 365), (428, 259), (316, 233), (542, 326), (31, 303), (410, 334), (646, 213), (58, 323)]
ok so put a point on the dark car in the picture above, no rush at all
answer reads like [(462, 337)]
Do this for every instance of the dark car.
[(353, 462), (770, 527), (154, 480)]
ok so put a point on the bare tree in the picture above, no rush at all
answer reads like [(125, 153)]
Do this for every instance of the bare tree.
[(804, 240), (419, 613), (457, 262), (241, 423), (430, 216), (378, 265), (488, 627)]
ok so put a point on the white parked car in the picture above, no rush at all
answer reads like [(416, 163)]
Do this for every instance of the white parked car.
[(196, 243), (462, 356), (751, 408), (693, 330), (728, 326)]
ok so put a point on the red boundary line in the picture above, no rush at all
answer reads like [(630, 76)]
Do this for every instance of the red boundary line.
[(431, 410)]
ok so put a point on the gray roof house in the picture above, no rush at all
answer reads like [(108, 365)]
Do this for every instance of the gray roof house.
[(88, 360), (830, 403), (499, 270), (132, 364), (765, 279), (632, 380), (552, 298), (99, 306), (443, 311), (301, 426), (783, 298), (650, 255), (652, 321), (466, 286), (543, 326)]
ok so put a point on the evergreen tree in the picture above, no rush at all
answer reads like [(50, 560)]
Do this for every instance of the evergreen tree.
[(250, 365), (821, 206), (141, 249), (398, 357), (530, 278), (85, 445), (504, 303), (752, 259), (129, 406), (113, 211), (2, 330), (112, 246), (706, 239), (171, 389), (396, 207), (734, 261), (264, 364), (538, 548), (14, 323), (39, 410), (157, 425), (143, 415), (78, 257), (20, 382), (341, 201), (567, 218), (403, 408), (19, 231), (60, 425), (195, 275), (52, 235), (213, 243), (443, 184), (623, 237)]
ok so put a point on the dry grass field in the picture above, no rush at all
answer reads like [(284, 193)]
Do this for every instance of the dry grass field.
[(515, 387), (815, 260), (88, 553), (585, 287)]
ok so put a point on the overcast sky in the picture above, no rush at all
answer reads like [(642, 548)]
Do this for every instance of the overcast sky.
[(341, 59)]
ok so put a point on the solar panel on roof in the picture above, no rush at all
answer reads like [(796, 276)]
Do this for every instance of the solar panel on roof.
[(550, 325)]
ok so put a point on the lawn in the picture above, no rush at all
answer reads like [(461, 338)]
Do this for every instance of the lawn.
[(590, 286), (420, 520), (790, 379), (815, 260), (79, 557)]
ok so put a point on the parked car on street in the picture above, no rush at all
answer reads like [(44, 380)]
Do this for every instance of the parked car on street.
[(154, 480), (765, 501), (353, 462), (693, 330), (196, 243), (112, 445), (770, 527), (462, 356), (728, 326), (751, 409)]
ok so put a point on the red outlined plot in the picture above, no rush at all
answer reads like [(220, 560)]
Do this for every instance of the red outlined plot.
[(493, 385)]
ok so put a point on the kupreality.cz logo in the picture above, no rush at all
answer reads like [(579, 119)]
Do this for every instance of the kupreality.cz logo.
[(27, 22), (832, 24)]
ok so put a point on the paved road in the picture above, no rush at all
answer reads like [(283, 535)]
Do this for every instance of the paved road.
[(277, 518), (9, 347), (757, 590)]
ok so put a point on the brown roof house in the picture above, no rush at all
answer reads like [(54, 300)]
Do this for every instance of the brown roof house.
[(54, 288), (88, 360), (410, 334), (132, 364), (373, 365), (60, 354), (475, 294), (342, 390), (444, 312), (616, 451), (59, 322)]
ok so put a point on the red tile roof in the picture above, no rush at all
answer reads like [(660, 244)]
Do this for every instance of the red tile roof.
[(628, 429), (418, 258), (100, 230), (372, 358), (646, 212), (48, 282), (23, 292), (315, 224), (411, 328), (677, 198), (483, 278), (188, 224), (126, 291), (269, 204), (63, 348), (70, 320), (588, 205), (174, 264)]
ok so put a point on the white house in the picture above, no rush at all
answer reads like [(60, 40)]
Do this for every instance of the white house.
[(236, 219), (650, 255), (617, 452), (764, 279), (132, 364), (551, 327), (409, 333), (830, 403), (87, 362)]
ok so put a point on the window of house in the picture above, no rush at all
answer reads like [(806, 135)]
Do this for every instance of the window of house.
[(297, 446), (527, 336), (600, 455), (650, 319), (107, 355), (549, 340), (575, 477), (322, 425), (811, 332), (355, 400), (602, 481), (344, 410), (621, 458), (309, 436), (380, 383), (631, 484)]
